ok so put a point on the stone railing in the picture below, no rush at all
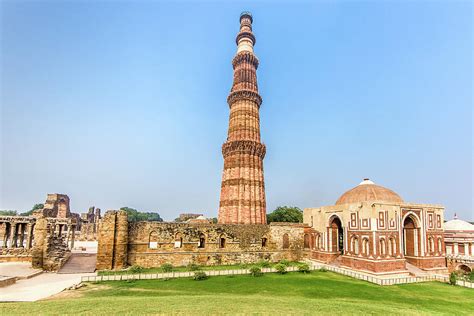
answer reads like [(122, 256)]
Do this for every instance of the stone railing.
[(168, 275)]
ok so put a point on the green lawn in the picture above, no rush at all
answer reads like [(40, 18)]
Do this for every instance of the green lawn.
[(292, 293)]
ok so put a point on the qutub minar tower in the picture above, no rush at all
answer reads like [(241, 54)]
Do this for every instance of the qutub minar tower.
[(242, 199)]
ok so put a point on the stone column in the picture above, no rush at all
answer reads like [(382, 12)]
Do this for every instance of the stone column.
[(73, 228), (4, 234), (41, 234), (68, 235), (21, 232), (29, 229), (13, 235), (121, 241)]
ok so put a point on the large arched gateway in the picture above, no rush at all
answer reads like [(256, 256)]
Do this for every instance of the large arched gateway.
[(336, 235), (410, 237)]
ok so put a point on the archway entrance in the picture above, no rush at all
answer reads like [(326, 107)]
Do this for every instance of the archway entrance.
[(464, 269), (336, 234), (410, 237)]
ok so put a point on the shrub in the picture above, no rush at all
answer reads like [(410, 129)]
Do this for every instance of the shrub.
[(304, 268), (193, 267), (243, 266), (200, 275), (167, 267), (452, 278), (256, 271), (285, 262), (136, 269), (280, 268), (264, 264), (323, 269), (471, 276)]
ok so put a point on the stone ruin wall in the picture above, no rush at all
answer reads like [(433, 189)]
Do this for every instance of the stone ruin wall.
[(150, 244), (51, 250), (44, 239)]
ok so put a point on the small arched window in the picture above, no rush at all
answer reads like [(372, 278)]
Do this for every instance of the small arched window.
[(222, 241), (382, 246), (306, 241), (392, 247), (202, 241), (365, 246), (264, 241), (153, 240), (286, 241), (355, 245), (431, 244), (440, 246)]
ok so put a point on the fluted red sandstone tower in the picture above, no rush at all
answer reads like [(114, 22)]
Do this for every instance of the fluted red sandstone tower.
[(242, 198)]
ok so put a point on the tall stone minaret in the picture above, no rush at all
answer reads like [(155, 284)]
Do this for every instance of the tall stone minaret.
[(242, 198)]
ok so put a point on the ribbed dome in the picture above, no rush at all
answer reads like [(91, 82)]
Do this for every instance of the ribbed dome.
[(369, 191), (458, 225)]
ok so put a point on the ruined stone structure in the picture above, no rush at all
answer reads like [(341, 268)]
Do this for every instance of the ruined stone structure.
[(56, 205), (150, 244), (89, 227), (242, 199), (43, 241), (371, 228)]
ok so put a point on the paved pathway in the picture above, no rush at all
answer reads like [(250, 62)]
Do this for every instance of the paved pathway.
[(18, 269), (39, 287), (79, 263)]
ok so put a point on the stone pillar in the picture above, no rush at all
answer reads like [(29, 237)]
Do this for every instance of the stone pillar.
[(21, 232), (106, 239), (41, 234), (121, 242), (68, 235), (13, 235), (29, 229), (72, 235), (4, 234)]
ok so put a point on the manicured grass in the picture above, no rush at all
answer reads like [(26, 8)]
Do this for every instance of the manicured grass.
[(292, 293), (183, 269)]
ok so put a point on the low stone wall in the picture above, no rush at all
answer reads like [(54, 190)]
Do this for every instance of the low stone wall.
[(427, 263), (150, 244), (375, 266)]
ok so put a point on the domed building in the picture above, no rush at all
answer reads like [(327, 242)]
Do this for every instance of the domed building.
[(459, 237), (371, 228)]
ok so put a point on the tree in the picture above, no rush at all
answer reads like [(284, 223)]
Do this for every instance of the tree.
[(136, 216), (289, 214), (8, 213), (38, 206)]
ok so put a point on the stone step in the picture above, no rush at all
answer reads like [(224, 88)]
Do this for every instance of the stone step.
[(79, 263)]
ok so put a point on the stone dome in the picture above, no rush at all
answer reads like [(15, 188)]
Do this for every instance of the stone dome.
[(458, 225), (369, 191)]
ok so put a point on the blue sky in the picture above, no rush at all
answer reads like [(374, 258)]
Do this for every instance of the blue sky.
[(124, 103)]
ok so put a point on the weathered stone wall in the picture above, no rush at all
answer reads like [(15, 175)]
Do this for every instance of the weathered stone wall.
[(150, 244), (51, 250)]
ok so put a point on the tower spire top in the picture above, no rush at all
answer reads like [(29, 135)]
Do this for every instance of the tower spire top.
[(245, 39)]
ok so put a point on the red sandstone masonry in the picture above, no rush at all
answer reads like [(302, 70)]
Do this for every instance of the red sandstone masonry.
[(242, 199)]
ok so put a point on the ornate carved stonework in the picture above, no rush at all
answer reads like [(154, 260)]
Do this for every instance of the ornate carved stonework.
[(242, 199)]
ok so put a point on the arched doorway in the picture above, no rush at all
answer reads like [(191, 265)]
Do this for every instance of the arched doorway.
[(336, 235), (410, 237), (464, 269)]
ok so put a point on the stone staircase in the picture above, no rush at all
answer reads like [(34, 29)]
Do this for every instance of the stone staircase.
[(79, 263), (415, 271)]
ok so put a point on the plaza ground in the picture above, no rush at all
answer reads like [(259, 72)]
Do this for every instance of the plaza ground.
[(315, 293)]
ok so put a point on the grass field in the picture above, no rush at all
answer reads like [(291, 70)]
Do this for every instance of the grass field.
[(292, 293)]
